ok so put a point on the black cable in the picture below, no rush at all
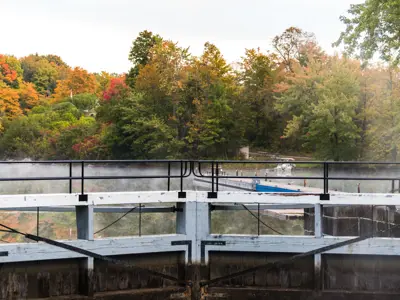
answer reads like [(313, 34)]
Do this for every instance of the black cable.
[(117, 220), (94, 255), (274, 230)]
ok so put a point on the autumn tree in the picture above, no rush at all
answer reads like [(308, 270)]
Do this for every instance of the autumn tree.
[(140, 54), (28, 96), (384, 129), (41, 72), (9, 98), (10, 71), (291, 45), (79, 81), (322, 99), (214, 128), (259, 74)]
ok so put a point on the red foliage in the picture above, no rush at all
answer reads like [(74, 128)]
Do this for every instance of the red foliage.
[(86, 145), (116, 88), (6, 73)]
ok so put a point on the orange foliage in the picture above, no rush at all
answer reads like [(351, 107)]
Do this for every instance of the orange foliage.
[(6, 72), (9, 102), (28, 96), (117, 88), (78, 81)]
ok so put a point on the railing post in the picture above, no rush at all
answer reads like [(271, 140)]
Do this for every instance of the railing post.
[(216, 173), (181, 194), (212, 176), (70, 179), (258, 219), (82, 178), (326, 184), (84, 222), (194, 221), (140, 219), (325, 196), (181, 176), (318, 232), (37, 221), (169, 176)]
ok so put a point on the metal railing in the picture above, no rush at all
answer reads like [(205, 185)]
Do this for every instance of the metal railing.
[(184, 166), (325, 178), (196, 168)]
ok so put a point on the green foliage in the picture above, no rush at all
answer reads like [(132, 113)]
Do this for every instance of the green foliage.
[(173, 105), (84, 102), (373, 27), (260, 72), (140, 53), (42, 71)]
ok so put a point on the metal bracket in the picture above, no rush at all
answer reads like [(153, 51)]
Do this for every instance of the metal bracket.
[(187, 243), (83, 197), (181, 195), (212, 195), (324, 197), (208, 243), (4, 253)]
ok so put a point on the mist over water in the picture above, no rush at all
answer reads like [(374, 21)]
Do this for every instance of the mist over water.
[(63, 225), (27, 170)]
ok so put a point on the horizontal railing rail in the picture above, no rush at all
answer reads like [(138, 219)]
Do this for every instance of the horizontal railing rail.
[(207, 169)]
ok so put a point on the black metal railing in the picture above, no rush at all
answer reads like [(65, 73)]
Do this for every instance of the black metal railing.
[(214, 176), (197, 168), (183, 165)]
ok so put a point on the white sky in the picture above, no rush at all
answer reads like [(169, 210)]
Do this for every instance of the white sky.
[(97, 34)]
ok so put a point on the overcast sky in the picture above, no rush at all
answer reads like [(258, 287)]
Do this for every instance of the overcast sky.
[(97, 34)]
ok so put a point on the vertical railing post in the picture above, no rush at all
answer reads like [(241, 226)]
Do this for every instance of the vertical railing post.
[(258, 219), (392, 191), (181, 176), (37, 221), (216, 173), (84, 224), (169, 176), (318, 232), (212, 176), (70, 177), (326, 176), (82, 177), (140, 219)]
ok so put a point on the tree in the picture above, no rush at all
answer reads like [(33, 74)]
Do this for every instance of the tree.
[(134, 132), (373, 27), (139, 54), (333, 132), (384, 128), (28, 96), (9, 100), (10, 71), (41, 72), (213, 128), (322, 99), (84, 102), (259, 74), (117, 88), (79, 81), (290, 45)]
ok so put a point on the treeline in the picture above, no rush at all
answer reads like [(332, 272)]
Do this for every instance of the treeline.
[(172, 104)]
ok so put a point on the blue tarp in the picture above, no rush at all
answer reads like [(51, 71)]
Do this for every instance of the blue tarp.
[(273, 189)]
